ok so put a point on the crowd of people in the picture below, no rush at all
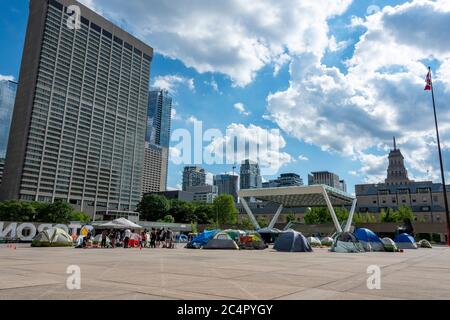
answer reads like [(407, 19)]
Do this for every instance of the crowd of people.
[(156, 238)]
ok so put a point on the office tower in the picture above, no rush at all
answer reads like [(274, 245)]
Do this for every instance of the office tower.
[(154, 177), (324, 177), (156, 160), (227, 184), (250, 175), (78, 127), (193, 176), (159, 118), (343, 185), (7, 97)]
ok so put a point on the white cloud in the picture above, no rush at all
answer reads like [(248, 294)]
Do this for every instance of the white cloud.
[(303, 158), (267, 147), (241, 108), (192, 120), (381, 94), (172, 82), (233, 37), (7, 78)]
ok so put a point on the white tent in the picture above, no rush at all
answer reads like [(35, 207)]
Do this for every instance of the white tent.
[(120, 223)]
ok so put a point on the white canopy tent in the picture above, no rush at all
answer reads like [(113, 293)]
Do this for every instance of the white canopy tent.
[(303, 196), (120, 223)]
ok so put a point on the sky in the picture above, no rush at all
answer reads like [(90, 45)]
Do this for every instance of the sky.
[(327, 82)]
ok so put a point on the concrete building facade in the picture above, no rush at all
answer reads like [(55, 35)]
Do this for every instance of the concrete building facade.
[(324, 177), (227, 184), (250, 175), (78, 127), (154, 174), (193, 176)]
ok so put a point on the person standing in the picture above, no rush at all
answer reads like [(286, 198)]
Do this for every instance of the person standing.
[(127, 238), (169, 236), (104, 237), (153, 236), (112, 238)]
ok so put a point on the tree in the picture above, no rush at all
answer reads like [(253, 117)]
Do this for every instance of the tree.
[(225, 209), (169, 219), (317, 216), (263, 222), (58, 212), (203, 214), (20, 211), (153, 207), (291, 217), (404, 213), (81, 217), (246, 223), (388, 215)]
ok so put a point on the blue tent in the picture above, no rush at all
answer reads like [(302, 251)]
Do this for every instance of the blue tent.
[(369, 240), (202, 239), (292, 241), (405, 241)]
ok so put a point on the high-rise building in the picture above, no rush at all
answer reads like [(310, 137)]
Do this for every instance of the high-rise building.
[(343, 185), (250, 175), (154, 177), (203, 193), (284, 180), (79, 120), (7, 97), (159, 117), (324, 177), (156, 161), (193, 176), (227, 184)]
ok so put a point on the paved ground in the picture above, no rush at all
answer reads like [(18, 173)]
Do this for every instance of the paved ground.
[(27, 273)]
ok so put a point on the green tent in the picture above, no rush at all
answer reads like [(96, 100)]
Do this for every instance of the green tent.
[(53, 237)]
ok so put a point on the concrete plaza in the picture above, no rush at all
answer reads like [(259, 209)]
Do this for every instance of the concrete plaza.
[(29, 273)]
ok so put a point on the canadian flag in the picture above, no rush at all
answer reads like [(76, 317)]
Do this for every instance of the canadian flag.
[(429, 82)]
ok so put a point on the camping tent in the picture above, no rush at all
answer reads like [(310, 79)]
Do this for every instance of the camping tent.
[(98, 240), (201, 239), (252, 241), (327, 241), (314, 242), (425, 244), (346, 242), (222, 241), (121, 224), (235, 234), (405, 241), (269, 235), (369, 240), (53, 237), (389, 245), (292, 241)]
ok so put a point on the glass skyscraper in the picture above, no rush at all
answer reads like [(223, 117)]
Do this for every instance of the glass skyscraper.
[(159, 118), (79, 117), (7, 97)]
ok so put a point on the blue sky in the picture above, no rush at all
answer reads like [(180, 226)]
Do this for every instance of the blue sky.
[(352, 77)]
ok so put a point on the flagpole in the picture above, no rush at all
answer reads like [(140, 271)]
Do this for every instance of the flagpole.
[(447, 213)]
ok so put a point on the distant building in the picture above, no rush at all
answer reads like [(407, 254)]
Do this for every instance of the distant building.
[(324, 177), (284, 180), (7, 98), (204, 194), (227, 184), (193, 176), (154, 174), (343, 185), (176, 195), (425, 198), (250, 175), (159, 118)]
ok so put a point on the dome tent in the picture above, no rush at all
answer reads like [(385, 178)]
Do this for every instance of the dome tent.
[(327, 241), (221, 241), (252, 241), (346, 242), (405, 241), (425, 244), (201, 239), (292, 241), (369, 240), (389, 245), (314, 242), (53, 237)]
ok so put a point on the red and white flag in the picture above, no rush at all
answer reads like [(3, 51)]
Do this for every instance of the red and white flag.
[(429, 84)]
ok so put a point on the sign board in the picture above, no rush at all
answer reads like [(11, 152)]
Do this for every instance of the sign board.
[(26, 231)]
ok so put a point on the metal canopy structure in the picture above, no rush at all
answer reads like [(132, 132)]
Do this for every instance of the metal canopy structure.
[(303, 196)]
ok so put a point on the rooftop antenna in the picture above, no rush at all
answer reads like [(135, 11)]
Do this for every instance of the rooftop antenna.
[(234, 168), (395, 145)]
